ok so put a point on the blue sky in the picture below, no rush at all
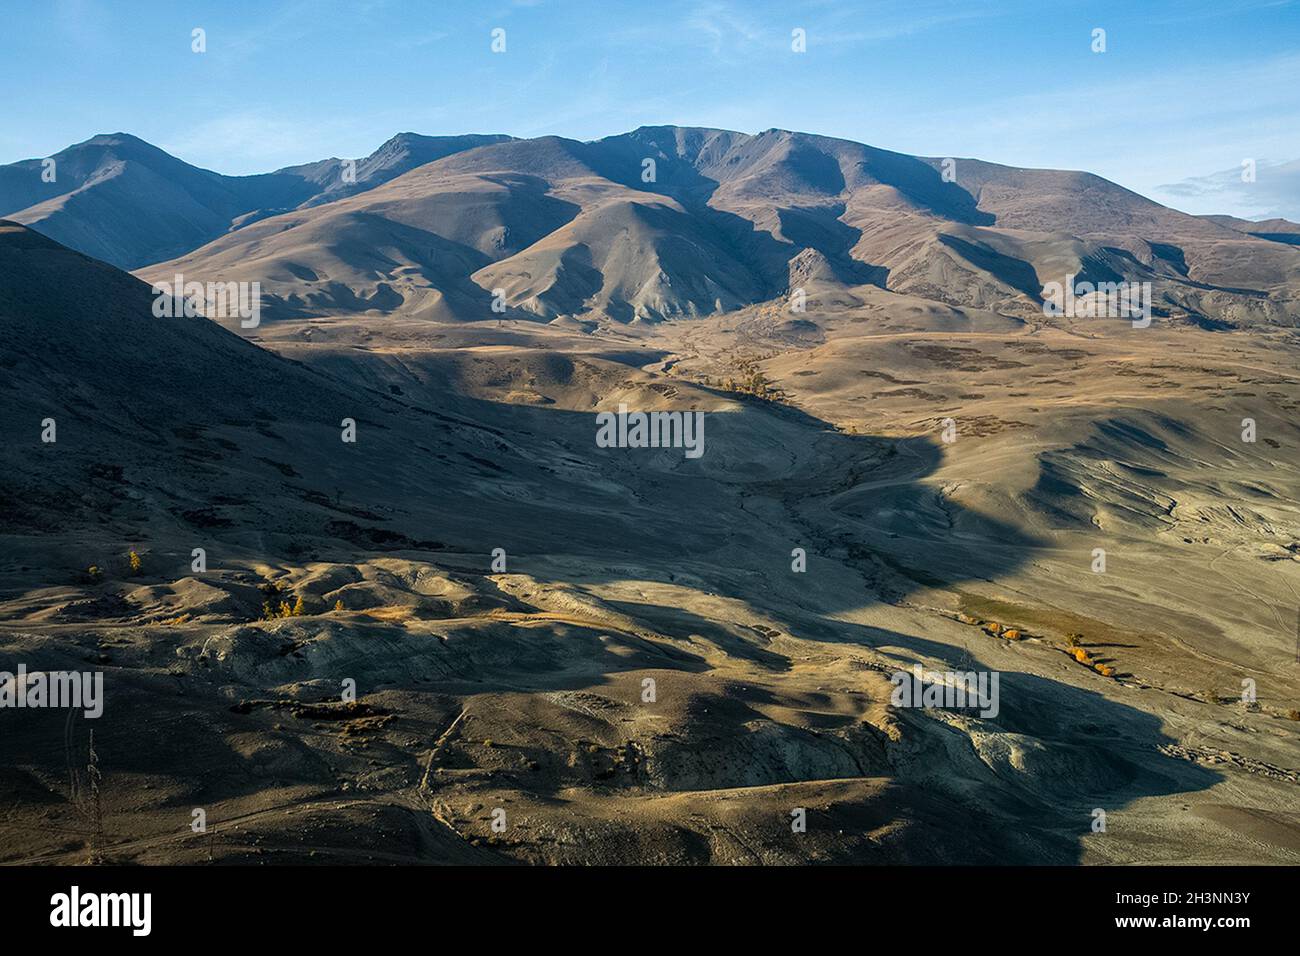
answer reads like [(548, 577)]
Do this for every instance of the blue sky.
[(1184, 92)]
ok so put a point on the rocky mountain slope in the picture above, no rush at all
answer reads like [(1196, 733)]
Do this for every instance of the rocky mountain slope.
[(668, 222)]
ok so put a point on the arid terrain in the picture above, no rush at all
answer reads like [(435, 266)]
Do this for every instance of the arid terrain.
[(648, 679)]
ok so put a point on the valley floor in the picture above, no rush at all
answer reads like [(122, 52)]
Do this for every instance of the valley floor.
[(649, 680)]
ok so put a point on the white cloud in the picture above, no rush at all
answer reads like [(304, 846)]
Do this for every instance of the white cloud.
[(1143, 132), (249, 142), (1273, 194)]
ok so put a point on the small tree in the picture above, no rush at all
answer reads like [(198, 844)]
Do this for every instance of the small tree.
[(135, 562)]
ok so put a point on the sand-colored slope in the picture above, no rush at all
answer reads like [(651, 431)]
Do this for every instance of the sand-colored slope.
[(665, 222)]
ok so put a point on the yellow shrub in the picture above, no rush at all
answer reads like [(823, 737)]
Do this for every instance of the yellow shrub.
[(1079, 654), (338, 604), (134, 559), (1104, 670)]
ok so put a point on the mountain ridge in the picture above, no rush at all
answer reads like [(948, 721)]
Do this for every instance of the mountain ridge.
[(667, 222), (657, 223), (121, 199)]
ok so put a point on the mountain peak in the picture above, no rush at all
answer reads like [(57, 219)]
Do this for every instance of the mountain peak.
[(132, 144)]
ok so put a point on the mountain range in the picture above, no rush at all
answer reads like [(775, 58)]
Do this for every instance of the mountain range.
[(122, 200), (658, 223)]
